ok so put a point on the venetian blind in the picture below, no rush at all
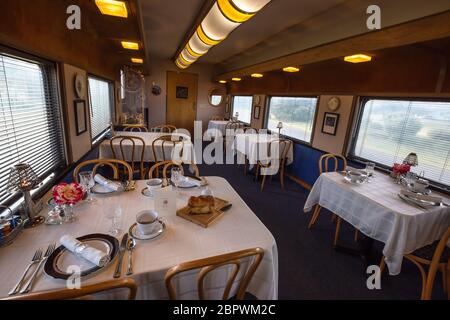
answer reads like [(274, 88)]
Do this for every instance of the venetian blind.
[(30, 121), (390, 129), (101, 106)]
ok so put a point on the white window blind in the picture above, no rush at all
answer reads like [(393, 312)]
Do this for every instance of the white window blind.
[(101, 106), (30, 122), (297, 115), (390, 129), (243, 105)]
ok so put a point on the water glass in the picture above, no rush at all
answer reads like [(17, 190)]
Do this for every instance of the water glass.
[(370, 168), (176, 176), (115, 215), (87, 182)]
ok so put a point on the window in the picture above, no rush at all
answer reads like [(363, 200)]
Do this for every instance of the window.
[(100, 95), (30, 122), (297, 115), (390, 129), (243, 106)]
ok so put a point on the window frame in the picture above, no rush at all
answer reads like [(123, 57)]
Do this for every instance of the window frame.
[(296, 140), (363, 100), (51, 176), (232, 107), (97, 139)]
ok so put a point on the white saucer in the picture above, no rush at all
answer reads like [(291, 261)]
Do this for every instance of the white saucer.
[(134, 232), (349, 180)]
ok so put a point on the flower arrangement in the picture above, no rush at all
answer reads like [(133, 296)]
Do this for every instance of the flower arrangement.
[(401, 169), (67, 194)]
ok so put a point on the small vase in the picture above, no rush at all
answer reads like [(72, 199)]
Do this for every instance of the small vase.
[(67, 213)]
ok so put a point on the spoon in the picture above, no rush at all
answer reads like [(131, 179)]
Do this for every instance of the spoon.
[(131, 244)]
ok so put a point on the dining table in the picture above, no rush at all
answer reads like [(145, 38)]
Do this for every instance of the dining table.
[(187, 150), (216, 129), (377, 211), (237, 229), (255, 147)]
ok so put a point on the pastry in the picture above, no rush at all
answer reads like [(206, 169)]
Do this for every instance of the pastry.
[(201, 204)]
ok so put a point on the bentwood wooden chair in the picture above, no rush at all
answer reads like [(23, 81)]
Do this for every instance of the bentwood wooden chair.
[(136, 129), (111, 163), (164, 166), (437, 257), (282, 147), (165, 144), (136, 157), (210, 264), (84, 292), (166, 128)]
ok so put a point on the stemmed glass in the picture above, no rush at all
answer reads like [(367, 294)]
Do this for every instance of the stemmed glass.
[(176, 176), (370, 170), (87, 182), (116, 220)]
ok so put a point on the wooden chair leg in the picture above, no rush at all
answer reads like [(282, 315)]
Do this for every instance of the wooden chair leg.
[(356, 235), (245, 166), (444, 277), (315, 216), (256, 172), (263, 181), (338, 231), (382, 265), (282, 176), (333, 218)]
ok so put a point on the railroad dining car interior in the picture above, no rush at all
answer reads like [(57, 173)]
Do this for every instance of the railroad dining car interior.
[(225, 149)]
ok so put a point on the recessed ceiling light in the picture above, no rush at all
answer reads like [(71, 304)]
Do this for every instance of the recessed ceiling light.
[(130, 45), (236, 79), (222, 81), (257, 75), (137, 60), (358, 58), (112, 8), (291, 69)]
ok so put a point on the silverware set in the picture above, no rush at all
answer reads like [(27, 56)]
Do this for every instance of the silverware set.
[(37, 259), (127, 244)]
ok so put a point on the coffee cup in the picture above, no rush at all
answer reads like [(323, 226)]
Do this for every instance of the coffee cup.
[(355, 176), (152, 185), (147, 221), (420, 185)]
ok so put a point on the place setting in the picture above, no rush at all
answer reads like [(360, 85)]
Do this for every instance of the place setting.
[(416, 192)]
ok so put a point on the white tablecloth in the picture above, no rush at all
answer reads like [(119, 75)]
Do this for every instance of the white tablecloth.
[(375, 209), (256, 148), (148, 137), (216, 129), (237, 229)]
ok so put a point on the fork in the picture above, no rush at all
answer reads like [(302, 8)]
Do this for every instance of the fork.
[(30, 282), (37, 256)]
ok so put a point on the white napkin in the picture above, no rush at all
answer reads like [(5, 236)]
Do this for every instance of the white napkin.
[(419, 197), (188, 181), (111, 185), (93, 255)]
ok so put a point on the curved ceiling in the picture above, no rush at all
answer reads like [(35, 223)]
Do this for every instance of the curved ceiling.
[(282, 27)]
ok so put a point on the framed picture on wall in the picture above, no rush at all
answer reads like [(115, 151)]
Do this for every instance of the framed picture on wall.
[(330, 123), (80, 116), (182, 93), (257, 112)]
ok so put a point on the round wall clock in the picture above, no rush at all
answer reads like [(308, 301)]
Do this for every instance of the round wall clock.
[(257, 100), (334, 103), (80, 85)]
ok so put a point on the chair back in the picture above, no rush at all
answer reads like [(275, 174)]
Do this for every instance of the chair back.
[(234, 125), (112, 163), (284, 145), (324, 162), (164, 142), (207, 265), (250, 130), (163, 167), (68, 294), (167, 128), (434, 266), (136, 157), (136, 129), (217, 118)]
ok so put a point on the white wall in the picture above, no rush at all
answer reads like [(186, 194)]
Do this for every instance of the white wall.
[(156, 105)]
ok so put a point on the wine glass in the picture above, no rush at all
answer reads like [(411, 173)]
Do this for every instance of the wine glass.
[(87, 182), (176, 176), (115, 215), (370, 170)]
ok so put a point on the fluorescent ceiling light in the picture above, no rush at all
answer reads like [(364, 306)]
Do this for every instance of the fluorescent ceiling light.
[(358, 58), (257, 75), (130, 45), (112, 8), (137, 60), (222, 81), (236, 79)]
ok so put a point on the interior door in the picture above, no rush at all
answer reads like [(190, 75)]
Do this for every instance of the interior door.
[(182, 99)]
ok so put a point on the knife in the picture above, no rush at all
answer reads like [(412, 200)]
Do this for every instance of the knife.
[(122, 249)]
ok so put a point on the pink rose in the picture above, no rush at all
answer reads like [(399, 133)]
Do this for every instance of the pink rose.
[(65, 193)]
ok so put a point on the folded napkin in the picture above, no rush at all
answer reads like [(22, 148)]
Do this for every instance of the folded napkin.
[(93, 255), (111, 185)]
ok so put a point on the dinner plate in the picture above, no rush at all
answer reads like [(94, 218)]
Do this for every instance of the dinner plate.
[(99, 189), (134, 232), (190, 182), (57, 265), (421, 203)]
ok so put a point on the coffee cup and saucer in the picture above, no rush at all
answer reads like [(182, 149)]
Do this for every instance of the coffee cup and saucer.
[(355, 177), (148, 226), (419, 186), (152, 186)]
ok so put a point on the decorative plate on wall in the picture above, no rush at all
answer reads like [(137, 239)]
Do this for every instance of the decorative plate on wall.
[(80, 85), (334, 103)]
